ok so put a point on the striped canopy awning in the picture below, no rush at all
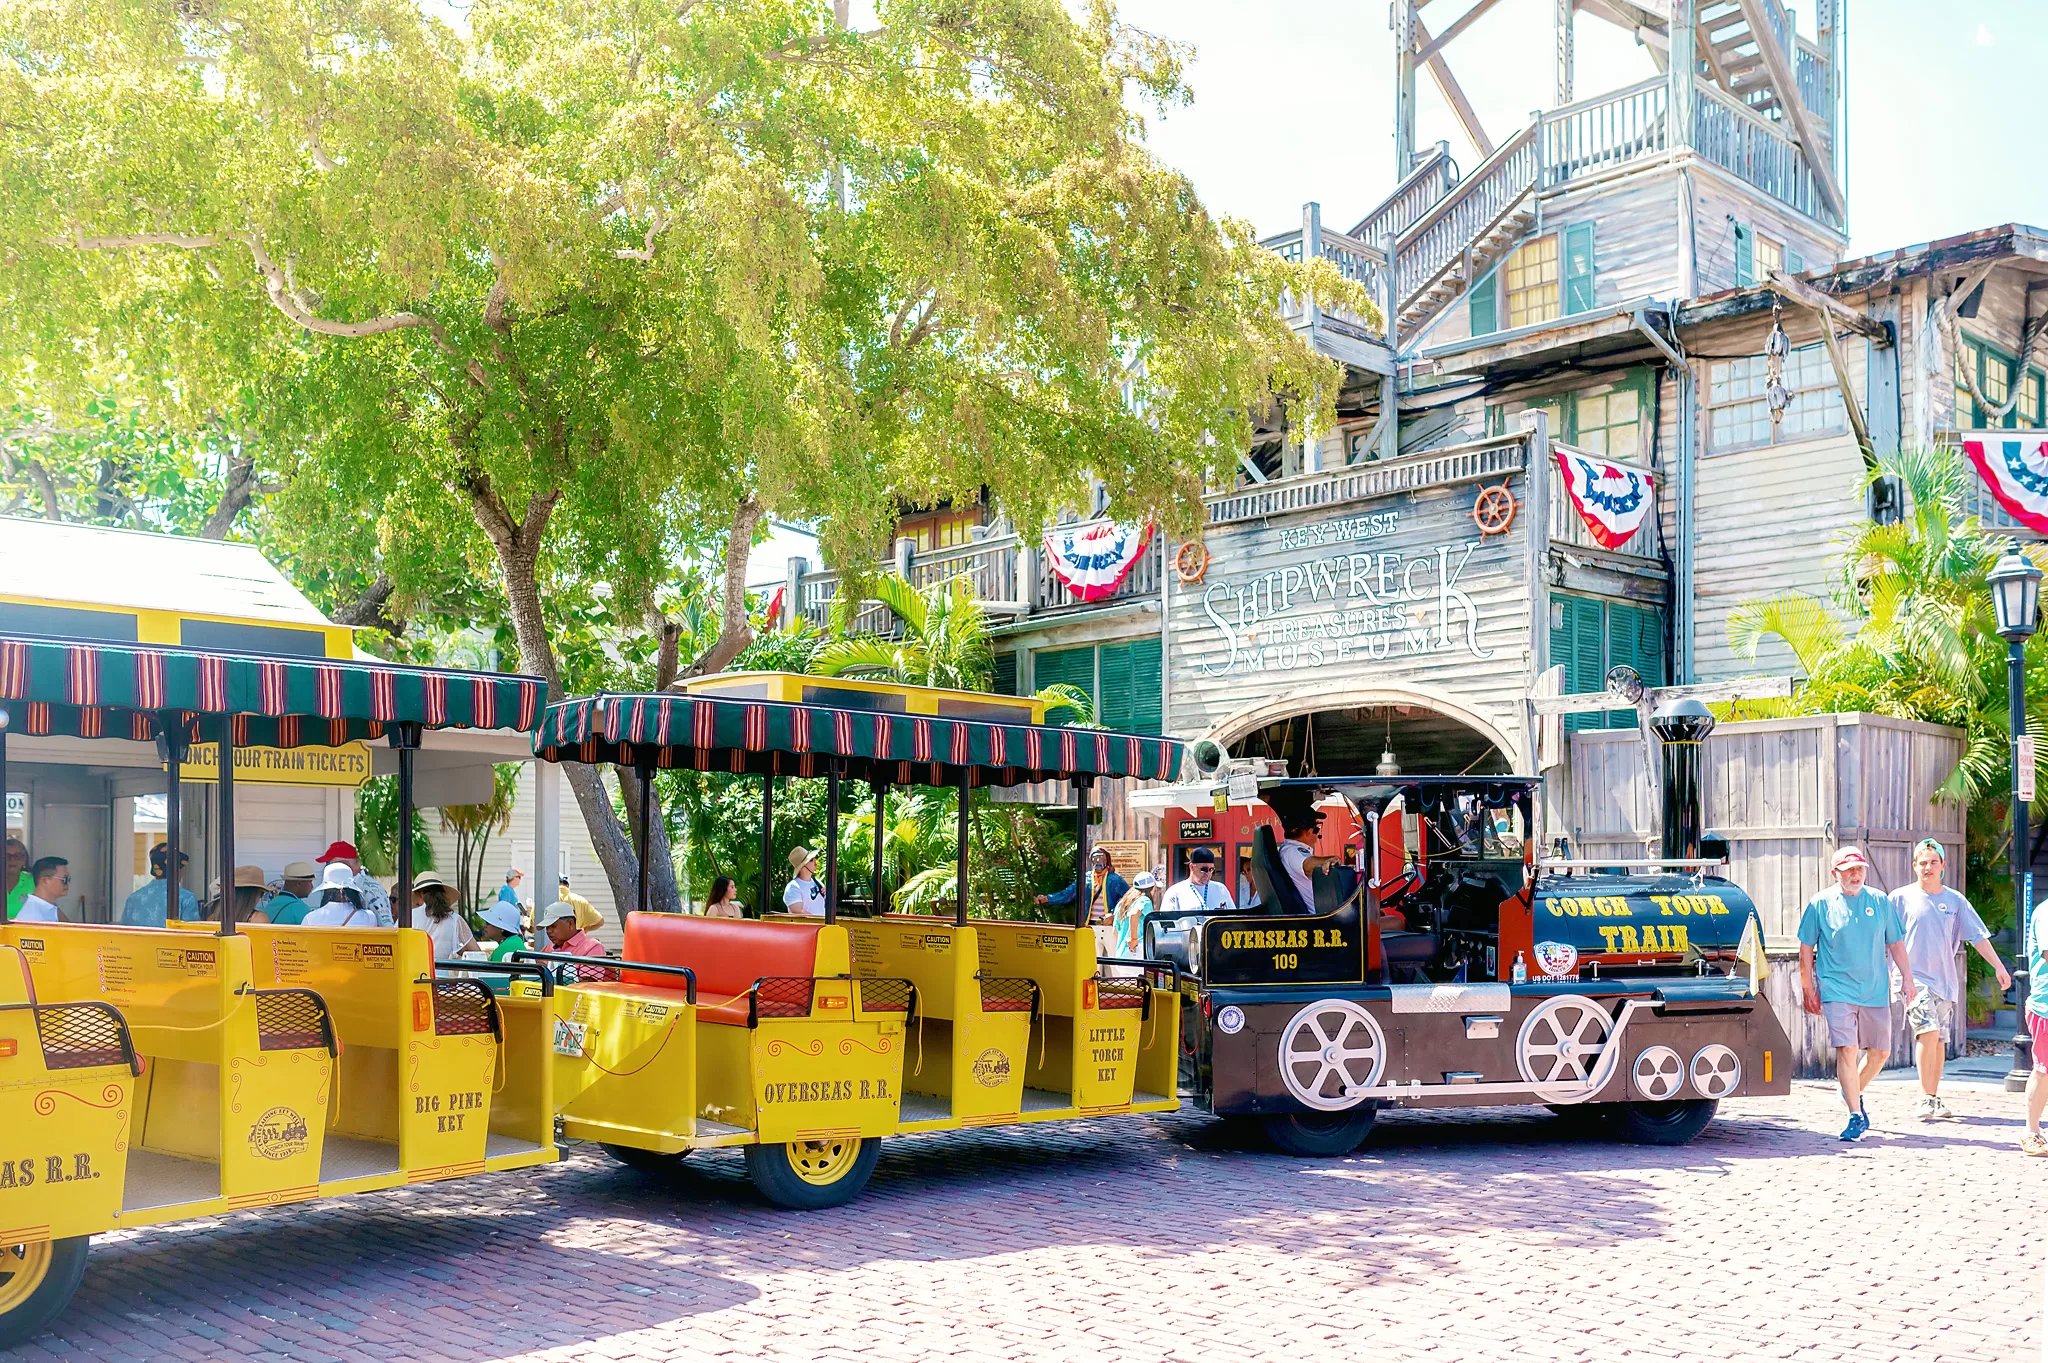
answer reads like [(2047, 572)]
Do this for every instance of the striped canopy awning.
[(95, 690), (710, 734)]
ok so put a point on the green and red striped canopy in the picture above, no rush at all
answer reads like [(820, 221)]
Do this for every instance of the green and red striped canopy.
[(95, 690), (707, 733)]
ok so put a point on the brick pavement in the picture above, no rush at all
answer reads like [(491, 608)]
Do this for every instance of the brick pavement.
[(1479, 1236)]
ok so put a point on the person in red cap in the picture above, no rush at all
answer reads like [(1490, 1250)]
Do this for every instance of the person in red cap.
[(376, 898), (1844, 936)]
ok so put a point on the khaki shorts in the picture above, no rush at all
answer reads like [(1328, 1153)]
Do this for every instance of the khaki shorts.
[(1853, 1024), (1929, 1012)]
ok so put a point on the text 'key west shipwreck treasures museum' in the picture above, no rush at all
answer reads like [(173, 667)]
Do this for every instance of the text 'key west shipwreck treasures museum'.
[(1627, 381)]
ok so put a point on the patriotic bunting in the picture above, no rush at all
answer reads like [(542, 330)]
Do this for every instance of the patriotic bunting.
[(1612, 499), (2014, 465), (1093, 560)]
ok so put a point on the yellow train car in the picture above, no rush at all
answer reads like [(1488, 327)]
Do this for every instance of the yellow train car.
[(156, 1073), (809, 1040)]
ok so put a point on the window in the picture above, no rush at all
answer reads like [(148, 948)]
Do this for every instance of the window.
[(1769, 256), (1004, 682), (1745, 255), (1588, 636), (1605, 419), (1123, 680), (1738, 417), (1530, 279), (1993, 369)]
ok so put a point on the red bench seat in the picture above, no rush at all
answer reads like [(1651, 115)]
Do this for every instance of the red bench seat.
[(727, 954)]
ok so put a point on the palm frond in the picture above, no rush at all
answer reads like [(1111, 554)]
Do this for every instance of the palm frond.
[(862, 656), (1804, 623), (1061, 696)]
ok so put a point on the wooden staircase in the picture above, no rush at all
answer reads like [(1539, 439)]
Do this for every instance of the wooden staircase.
[(1467, 231)]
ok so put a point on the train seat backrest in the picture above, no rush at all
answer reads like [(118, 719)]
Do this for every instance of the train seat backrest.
[(727, 954), (1278, 895)]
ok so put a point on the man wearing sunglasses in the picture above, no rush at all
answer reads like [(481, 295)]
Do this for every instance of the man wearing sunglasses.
[(53, 878)]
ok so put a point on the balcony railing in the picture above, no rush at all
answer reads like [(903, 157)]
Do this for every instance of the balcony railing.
[(1009, 577), (1359, 261), (1434, 242), (1737, 140), (1595, 134)]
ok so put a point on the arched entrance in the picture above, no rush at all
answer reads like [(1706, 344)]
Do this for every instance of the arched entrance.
[(1344, 733)]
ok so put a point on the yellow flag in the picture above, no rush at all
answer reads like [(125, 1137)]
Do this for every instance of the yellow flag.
[(1751, 952)]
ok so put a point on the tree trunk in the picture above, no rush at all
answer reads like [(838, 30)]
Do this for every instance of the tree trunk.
[(518, 548), (734, 633)]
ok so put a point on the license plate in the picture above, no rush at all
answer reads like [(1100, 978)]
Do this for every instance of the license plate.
[(570, 1036)]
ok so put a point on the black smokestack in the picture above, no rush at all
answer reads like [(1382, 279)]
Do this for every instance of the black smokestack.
[(1682, 726)]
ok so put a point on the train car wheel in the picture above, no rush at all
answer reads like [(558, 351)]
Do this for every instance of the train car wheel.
[(807, 1176), (36, 1283), (1662, 1123), (1321, 1135), (646, 1161)]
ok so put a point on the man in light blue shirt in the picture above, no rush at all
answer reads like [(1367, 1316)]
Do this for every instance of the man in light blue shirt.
[(145, 908), (2037, 1027), (1846, 932), (1938, 923)]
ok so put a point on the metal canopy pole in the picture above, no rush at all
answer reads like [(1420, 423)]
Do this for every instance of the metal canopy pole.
[(646, 774), (832, 841), (1081, 876), (960, 875), (405, 738), (225, 794), (5, 890), (877, 788), (173, 743), (767, 842)]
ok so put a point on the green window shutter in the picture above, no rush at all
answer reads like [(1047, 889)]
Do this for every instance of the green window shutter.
[(1005, 680), (1578, 268), (1794, 262), (1147, 689), (1576, 644), (1486, 305), (1635, 636), (1073, 667), (1745, 255), (1113, 704)]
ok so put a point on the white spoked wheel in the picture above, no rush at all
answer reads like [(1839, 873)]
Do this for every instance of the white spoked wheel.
[(1658, 1074), (1330, 1053), (1559, 1044), (1716, 1071)]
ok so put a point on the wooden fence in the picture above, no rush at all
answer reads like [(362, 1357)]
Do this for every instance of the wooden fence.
[(1786, 793)]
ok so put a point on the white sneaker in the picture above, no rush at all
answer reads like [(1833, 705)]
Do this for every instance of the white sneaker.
[(1939, 1111), (1928, 1108)]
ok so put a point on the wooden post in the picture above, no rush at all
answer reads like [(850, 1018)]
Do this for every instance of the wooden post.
[(1561, 21), (1680, 75), (1404, 88), (1535, 521)]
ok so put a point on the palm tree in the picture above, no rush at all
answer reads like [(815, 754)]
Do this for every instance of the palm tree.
[(945, 642), (473, 826), (1908, 629)]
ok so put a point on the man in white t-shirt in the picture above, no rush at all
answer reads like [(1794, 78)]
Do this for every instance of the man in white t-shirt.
[(1200, 890), (804, 894), (1939, 923), (1297, 856), (52, 876)]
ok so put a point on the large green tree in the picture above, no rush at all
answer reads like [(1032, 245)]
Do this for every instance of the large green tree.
[(572, 293)]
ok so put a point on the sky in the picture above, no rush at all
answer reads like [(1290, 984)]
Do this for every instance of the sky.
[(1293, 101)]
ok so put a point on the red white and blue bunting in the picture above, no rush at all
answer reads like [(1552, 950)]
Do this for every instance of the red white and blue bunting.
[(1610, 498), (2014, 465), (1093, 560)]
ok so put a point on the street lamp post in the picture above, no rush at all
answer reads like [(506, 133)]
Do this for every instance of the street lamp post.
[(2016, 596)]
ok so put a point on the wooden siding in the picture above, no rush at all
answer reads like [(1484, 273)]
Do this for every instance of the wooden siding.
[(1635, 235), (514, 847), (1719, 201), (1344, 598)]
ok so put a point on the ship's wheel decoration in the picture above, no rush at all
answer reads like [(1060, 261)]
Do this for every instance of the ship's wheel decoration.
[(1191, 564), (1494, 511)]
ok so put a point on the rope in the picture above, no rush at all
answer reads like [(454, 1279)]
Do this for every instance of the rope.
[(2030, 332), (666, 1035), (220, 1021)]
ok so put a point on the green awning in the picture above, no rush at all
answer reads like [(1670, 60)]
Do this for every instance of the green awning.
[(710, 734), (91, 690)]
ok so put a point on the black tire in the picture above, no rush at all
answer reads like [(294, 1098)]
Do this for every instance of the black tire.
[(775, 1170), (1660, 1123), (1321, 1135), (645, 1161), (61, 1267), (1577, 1114)]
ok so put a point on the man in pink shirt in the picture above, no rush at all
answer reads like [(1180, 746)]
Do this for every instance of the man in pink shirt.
[(559, 921)]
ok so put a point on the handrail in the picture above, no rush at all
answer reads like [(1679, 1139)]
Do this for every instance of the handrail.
[(1436, 240), (1464, 188), (1170, 967), (539, 972), (1372, 228), (618, 963)]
